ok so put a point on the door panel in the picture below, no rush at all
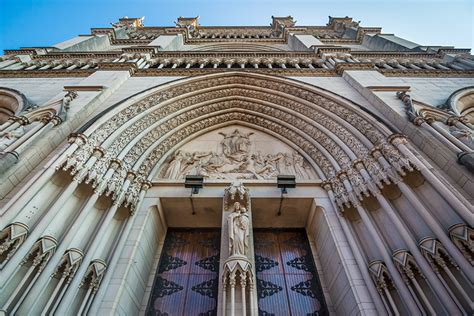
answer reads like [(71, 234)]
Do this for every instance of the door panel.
[(287, 281), (187, 276)]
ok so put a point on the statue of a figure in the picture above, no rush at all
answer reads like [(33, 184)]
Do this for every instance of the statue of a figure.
[(8, 138), (236, 146), (175, 165), (300, 168), (238, 222)]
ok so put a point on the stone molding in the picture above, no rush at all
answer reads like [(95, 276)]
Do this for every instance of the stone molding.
[(176, 126)]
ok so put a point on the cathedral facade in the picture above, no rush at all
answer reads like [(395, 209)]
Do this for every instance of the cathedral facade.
[(257, 170)]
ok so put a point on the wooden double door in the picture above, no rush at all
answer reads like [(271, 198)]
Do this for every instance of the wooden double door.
[(287, 280), (186, 281)]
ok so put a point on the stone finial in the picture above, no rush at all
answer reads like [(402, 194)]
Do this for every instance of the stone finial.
[(189, 23), (285, 21), (128, 22), (280, 23)]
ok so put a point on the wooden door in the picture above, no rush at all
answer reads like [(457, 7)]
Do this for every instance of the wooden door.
[(287, 280), (186, 281)]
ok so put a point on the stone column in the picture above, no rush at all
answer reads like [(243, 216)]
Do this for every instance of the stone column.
[(436, 285), (75, 238), (93, 250), (402, 289), (419, 121), (438, 126), (399, 141), (46, 124), (112, 263), (10, 121), (438, 230), (348, 234), (40, 179)]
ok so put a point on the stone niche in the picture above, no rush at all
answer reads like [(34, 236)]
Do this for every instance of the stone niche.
[(236, 152)]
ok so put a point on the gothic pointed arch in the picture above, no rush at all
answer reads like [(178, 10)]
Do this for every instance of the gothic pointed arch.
[(139, 134)]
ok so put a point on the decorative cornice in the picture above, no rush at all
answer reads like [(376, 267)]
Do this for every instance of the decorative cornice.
[(304, 72), (332, 50), (130, 67), (341, 67), (60, 73), (197, 71), (23, 51), (427, 73)]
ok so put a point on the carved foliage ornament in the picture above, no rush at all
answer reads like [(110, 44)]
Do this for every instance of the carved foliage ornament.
[(77, 160)]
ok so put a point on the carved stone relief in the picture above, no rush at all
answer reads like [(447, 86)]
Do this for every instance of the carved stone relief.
[(236, 153), (140, 135)]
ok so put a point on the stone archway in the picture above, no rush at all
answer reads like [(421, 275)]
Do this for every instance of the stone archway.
[(331, 132), (115, 156)]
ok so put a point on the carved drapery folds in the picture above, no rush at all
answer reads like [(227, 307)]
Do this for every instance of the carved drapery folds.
[(240, 155)]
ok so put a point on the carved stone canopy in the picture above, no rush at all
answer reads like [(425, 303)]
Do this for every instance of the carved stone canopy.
[(236, 192)]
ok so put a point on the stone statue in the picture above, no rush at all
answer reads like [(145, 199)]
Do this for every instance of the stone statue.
[(300, 168), (174, 167), (8, 138), (238, 224), (235, 146)]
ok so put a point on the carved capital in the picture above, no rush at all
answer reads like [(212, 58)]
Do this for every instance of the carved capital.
[(45, 119), (115, 163), (429, 119), (376, 152), (418, 120), (98, 152), (342, 175), (358, 164), (23, 120), (397, 139), (56, 120), (326, 185), (79, 139), (146, 185), (452, 120), (131, 175)]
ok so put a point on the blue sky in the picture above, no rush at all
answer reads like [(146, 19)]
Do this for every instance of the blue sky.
[(29, 23)]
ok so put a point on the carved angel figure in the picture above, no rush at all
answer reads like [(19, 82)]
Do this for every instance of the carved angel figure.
[(238, 225)]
